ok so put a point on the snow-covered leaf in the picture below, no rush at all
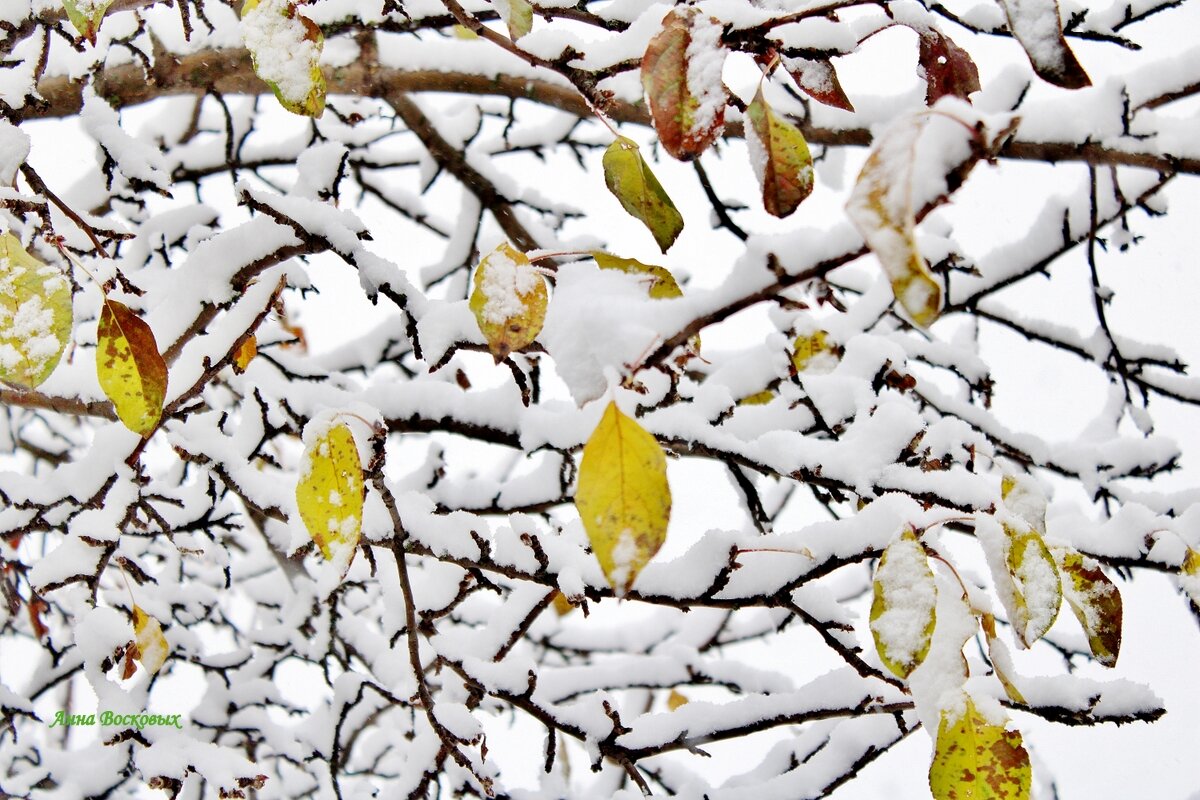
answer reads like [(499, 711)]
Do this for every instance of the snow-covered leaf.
[(681, 73), (814, 351), (1037, 26), (977, 757), (1095, 600), (623, 497), (780, 158), (151, 644), (508, 301), (130, 369), (1000, 657), (35, 315), (330, 491), (285, 47), (1037, 590), (628, 176), (818, 79), (1023, 497), (660, 283), (903, 610)]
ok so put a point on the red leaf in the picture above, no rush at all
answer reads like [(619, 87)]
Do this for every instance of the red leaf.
[(948, 68), (818, 79), (1036, 25)]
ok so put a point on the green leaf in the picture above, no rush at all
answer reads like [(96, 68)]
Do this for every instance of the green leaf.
[(129, 367), (660, 283), (35, 315), (151, 644), (86, 15), (881, 207), (1095, 600), (331, 490), (1036, 588), (780, 158), (509, 301), (623, 497), (517, 16), (681, 73), (976, 757), (629, 178), (285, 47), (903, 611)]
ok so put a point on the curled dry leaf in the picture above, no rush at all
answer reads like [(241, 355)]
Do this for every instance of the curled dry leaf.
[(151, 644), (975, 756), (35, 315), (629, 178), (285, 47), (681, 73), (86, 15), (1095, 600), (903, 611), (130, 369), (331, 490), (1037, 26), (623, 497), (780, 158), (509, 301)]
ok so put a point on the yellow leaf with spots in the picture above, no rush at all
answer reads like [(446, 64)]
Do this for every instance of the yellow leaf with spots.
[(629, 178), (1035, 591), (623, 497), (35, 315), (976, 757), (246, 352), (509, 301), (902, 611), (331, 491), (151, 644), (129, 367), (780, 158), (1095, 600)]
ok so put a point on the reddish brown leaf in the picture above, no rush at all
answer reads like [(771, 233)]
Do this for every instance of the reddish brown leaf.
[(818, 79), (1037, 26), (948, 68), (681, 72)]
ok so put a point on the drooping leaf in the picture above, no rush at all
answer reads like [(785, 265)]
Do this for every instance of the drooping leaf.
[(151, 644), (976, 757), (903, 609), (1037, 590), (246, 352), (814, 351), (630, 179), (1037, 26), (129, 367), (623, 497), (947, 68), (818, 79), (681, 73), (881, 206), (1023, 497), (1095, 600), (331, 490), (780, 158), (509, 300), (517, 16), (1000, 657), (35, 315), (660, 283), (285, 47), (86, 15)]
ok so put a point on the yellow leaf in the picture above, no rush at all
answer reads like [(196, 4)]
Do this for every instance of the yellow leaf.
[(623, 497), (86, 15), (509, 301), (975, 757), (881, 206), (1036, 589), (35, 315), (660, 283), (1001, 659), (331, 490), (1024, 498), (629, 178), (517, 16), (676, 699), (1095, 600), (246, 352), (285, 48), (780, 158), (129, 367), (903, 611), (151, 644), (757, 399), (814, 350), (562, 606)]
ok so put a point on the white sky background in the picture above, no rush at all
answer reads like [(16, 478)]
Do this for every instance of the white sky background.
[(1156, 287)]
